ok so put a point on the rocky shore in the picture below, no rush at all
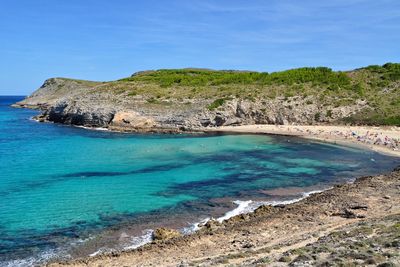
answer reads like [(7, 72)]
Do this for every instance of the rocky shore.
[(348, 225), (351, 224), (89, 104), (85, 103)]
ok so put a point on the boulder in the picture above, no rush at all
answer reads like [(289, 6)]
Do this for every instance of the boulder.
[(132, 119), (263, 209), (165, 234)]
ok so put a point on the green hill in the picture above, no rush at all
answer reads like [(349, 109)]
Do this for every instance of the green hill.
[(192, 98)]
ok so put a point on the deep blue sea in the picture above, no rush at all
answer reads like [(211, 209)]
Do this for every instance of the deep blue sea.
[(62, 187)]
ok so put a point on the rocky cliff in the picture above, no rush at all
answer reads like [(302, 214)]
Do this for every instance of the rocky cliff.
[(144, 102)]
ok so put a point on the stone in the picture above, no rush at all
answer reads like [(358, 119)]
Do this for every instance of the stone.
[(132, 119), (358, 207), (164, 234), (263, 209), (212, 225), (349, 214)]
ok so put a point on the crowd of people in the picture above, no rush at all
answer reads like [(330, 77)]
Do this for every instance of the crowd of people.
[(369, 137)]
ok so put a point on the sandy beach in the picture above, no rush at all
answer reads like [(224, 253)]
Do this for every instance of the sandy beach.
[(384, 140)]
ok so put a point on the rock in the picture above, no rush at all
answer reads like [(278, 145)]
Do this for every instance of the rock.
[(40, 118), (70, 113), (232, 121), (237, 218), (387, 264), (132, 119), (285, 259), (165, 234), (85, 103), (358, 207), (263, 209), (386, 197), (212, 225), (349, 214), (205, 122), (248, 245), (219, 120)]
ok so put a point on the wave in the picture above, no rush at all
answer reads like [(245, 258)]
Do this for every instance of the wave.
[(243, 207), (40, 259), (77, 126), (45, 256), (248, 206), (91, 128)]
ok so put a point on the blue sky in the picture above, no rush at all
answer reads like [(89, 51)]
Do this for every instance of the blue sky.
[(106, 40)]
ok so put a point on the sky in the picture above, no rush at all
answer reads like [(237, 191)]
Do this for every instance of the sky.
[(105, 40)]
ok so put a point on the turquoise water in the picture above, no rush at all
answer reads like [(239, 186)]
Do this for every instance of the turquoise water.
[(60, 183)]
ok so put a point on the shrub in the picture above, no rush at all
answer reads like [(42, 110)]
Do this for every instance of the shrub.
[(201, 77), (216, 104), (359, 89), (317, 116)]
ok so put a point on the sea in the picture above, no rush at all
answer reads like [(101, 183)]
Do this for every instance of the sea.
[(69, 192)]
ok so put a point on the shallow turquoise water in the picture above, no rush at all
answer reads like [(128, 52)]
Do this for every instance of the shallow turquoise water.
[(59, 181)]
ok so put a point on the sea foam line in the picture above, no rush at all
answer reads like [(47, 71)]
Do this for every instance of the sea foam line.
[(243, 207), (248, 206)]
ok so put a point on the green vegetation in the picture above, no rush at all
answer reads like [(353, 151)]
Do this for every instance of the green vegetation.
[(378, 86), (217, 103), (200, 77), (389, 71)]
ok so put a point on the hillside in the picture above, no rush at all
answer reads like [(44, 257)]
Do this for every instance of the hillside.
[(189, 99)]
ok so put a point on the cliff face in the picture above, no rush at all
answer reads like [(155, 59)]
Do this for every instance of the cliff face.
[(140, 104), (65, 101)]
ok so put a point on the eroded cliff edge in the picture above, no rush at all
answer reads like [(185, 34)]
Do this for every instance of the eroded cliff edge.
[(191, 99)]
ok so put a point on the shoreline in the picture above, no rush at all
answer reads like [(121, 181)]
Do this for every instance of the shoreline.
[(333, 134), (232, 221), (372, 197), (243, 207), (341, 135)]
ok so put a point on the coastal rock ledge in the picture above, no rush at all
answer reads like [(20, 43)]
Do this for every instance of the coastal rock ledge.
[(353, 224)]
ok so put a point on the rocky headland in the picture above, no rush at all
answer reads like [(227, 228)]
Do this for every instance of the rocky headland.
[(194, 99), (351, 224)]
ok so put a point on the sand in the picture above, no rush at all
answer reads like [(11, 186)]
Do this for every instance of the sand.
[(385, 140)]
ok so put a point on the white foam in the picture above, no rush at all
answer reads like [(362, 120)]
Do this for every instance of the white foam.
[(32, 261), (243, 207), (100, 251), (92, 128), (194, 227), (247, 206), (139, 241)]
